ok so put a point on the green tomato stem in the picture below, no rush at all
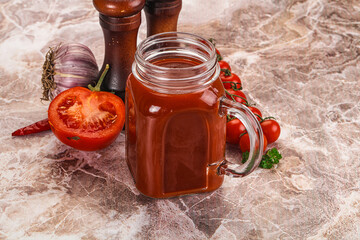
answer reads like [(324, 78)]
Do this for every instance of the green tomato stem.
[(234, 85), (212, 40), (226, 71), (98, 85), (263, 119), (258, 116), (232, 97)]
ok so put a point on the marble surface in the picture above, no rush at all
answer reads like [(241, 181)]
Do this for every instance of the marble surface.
[(299, 61)]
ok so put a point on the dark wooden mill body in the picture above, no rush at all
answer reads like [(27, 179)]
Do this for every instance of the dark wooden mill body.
[(120, 21)]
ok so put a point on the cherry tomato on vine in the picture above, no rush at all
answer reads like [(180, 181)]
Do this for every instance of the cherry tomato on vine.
[(271, 129), (256, 111), (238, 95), (224, 65), (230, 80), (217, 52), (85, 119), (233, 130), (218, 55), (244, 143)]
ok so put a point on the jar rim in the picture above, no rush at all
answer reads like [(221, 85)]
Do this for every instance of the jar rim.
[(172, 35), (180, 45)]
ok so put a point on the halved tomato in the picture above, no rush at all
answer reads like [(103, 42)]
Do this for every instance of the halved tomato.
[(86, 120)]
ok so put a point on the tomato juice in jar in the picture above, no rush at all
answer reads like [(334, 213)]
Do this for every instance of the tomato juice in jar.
[(175, 132)]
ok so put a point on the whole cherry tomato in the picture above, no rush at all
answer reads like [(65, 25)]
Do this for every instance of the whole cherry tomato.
[(217, 51), (230, 80), (244, 143), (218, 55), (233, 130), (271, 129), (238, 95), (224, 65), (256, 111), (86, 120)]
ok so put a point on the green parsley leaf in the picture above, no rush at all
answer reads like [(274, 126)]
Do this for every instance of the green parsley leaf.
[(266, 162), (274, 154), (269, 159)]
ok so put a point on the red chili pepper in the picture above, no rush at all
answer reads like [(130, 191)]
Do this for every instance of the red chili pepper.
[(37, 127)]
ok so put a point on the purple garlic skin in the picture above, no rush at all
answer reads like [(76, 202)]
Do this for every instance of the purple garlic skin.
[(74, 65)]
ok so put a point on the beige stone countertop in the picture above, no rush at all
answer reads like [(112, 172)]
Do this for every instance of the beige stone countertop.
[(299, 62)]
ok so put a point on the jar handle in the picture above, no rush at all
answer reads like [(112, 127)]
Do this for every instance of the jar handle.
[(254, 130)]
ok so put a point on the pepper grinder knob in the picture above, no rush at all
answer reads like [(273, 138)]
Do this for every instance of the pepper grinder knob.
[(162, 15), (120, 21)]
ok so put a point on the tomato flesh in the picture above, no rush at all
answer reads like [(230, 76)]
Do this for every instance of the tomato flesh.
[(86, 120), (76, 115)]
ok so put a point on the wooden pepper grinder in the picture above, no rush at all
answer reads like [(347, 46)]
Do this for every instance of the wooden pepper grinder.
[(162, 15), (120, 21)]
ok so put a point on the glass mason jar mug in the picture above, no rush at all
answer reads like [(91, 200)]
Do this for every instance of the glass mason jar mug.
[(176, 118)]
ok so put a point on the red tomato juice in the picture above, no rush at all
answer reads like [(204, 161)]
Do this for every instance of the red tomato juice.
[(174, 141)]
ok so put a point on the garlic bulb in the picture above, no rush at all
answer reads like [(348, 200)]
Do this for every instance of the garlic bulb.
[(66, 66)]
